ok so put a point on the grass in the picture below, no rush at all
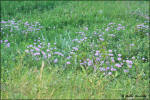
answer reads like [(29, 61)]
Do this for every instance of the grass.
[(91, 33)]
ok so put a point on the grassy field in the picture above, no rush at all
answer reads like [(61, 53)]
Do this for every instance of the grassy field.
[(74, 50)]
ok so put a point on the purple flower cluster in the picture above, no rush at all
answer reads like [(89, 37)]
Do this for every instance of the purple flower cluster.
[(40, 50), (5, 43), (20, 27), (114, 27)]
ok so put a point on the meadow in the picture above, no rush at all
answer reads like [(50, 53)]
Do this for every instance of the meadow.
[(74, 49)]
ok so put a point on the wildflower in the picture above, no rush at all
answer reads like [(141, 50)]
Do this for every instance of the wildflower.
[(107, 68), (8, 45), (37, 49), (48, 50), (36, 54), (85, 62), (27, 51), (45, 56), (72, 53), (110, 54), (31, 50), (68, 57), (121, 63), (102, 69), (129, 62), (1, 41), (86, 28), (43, 52), (143, 58), (39, 46), (109, 73), (89, 63), (81, 63), (117, 65), (96, 54), (6, 41), (131, 44), (130, 66), (102, 62), (101, 39), (119, 58), (97, 59), (30, 45), (3, 22), (119, 55), (58, 53), (68, 63), (113, 60), (75, 48), (49, 55), (125, 70), (109, 50), (56, 60), (113, 69), (48, 44), (133, 58)]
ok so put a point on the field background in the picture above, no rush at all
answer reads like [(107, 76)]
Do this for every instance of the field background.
[(23, 77)]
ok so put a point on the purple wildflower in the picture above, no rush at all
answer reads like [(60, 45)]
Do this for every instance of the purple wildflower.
[(37, 49), (31, 50), (3, 22), (5, 40), (1, 41), (68, 63), (48, 50), (101, 39), (49, 55), (102, 69), (125, 70), (117, 65), (110, 54), (119, 55), (133, 58), (107, 68), (129, 62), (119, 58), (113, 69), (97, 59), (8, 45), (130, 66), (110, 51), (131, 44), (68, 57), (75, 48), (43, 52), (89, 63), (56, 60), (58, 53), (36, 54), (109, 73), (39, 46)]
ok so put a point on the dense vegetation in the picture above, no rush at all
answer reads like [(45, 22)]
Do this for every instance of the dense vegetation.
[(78, 50)]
